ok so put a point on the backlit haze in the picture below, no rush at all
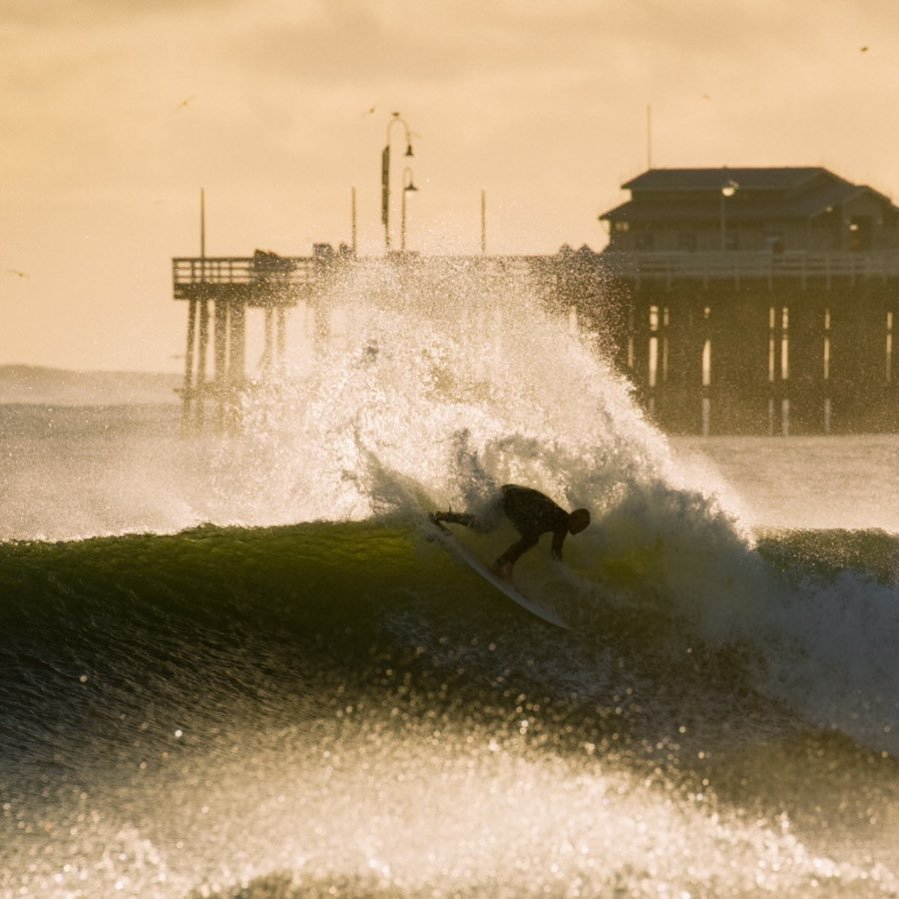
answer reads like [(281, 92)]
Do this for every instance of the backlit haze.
[(116, 114)]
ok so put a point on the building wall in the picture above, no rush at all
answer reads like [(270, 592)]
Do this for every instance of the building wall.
[(701, 237), (867, 222), (867, 210)]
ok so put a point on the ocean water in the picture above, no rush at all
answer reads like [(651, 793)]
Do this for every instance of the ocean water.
[(237, 667)]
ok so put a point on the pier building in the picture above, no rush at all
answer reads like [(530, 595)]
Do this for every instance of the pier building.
[(759, 300), (750, 210)]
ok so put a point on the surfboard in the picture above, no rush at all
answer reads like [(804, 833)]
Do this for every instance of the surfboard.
[(464, 554)]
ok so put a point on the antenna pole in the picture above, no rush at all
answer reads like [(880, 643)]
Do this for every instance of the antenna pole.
[(353, 238), (202, 223)]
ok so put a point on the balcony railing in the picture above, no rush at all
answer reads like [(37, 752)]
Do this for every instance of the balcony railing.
[(736, 265)]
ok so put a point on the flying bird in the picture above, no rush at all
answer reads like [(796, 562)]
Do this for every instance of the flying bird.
[(19, 274), (185, 101), (863, 50)]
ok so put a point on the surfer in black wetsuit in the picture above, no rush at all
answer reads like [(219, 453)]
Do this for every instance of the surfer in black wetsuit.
[(533, 514)]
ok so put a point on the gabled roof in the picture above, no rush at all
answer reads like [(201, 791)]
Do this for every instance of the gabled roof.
[(771, 193), (784, 178)]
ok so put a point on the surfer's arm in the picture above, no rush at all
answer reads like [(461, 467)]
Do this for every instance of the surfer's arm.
[(558, 540)]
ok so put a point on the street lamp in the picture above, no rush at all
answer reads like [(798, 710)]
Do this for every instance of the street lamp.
[(728, 189), (408, 185), (396, 118)]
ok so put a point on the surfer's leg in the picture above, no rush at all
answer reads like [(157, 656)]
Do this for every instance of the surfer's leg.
[(503, 564)]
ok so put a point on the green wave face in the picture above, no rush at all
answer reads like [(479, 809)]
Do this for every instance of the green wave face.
[(346, 706)]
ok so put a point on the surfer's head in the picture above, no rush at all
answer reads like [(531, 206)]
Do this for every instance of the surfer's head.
[(578, 520)]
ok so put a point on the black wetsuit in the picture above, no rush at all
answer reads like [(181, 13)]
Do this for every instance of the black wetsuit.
[(530, 511), (533, 514)]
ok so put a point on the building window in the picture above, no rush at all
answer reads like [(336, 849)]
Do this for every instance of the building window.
[(860, 233), (622, 227), (686, 241)]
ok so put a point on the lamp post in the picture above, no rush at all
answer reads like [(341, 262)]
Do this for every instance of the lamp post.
[(408, 185), (728, 189), (396, 118)]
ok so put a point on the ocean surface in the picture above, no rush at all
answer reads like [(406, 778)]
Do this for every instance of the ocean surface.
[(236, 666)]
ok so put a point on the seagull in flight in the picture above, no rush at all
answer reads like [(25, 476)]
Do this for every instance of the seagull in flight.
[(185, 101), (17, 273)]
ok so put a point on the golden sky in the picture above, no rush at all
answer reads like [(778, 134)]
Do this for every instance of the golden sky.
[(116, 112)]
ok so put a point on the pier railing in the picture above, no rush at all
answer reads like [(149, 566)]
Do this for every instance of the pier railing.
[(300, 272), (285, 279), (795, 265), (191, 273)]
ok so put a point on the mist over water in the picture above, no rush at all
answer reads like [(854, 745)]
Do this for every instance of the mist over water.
[(303, 694)]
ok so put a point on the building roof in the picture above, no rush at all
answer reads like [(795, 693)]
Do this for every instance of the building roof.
[(784, 178), (763, 194)]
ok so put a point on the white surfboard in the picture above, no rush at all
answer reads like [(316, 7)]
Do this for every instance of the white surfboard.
[(461, 551)]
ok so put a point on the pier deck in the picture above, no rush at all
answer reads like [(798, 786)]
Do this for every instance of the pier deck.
[(714, 343)]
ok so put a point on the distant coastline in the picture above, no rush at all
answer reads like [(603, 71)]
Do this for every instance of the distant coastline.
[(39, 385)]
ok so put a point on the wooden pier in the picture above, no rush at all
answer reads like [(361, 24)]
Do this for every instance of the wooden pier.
[(223, 290), (715, 343), (760, 343)]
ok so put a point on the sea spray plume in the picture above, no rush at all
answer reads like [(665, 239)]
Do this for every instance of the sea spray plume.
[(442, 386), (461, 380), (291, 460), (832, 655), (468, 473), (681, 551), (824, 646), (459, 383), (407, 358)]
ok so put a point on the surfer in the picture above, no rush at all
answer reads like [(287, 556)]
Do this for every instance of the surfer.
[(532, 513)]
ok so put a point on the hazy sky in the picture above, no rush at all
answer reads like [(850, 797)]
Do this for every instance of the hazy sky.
[(115, 113)]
